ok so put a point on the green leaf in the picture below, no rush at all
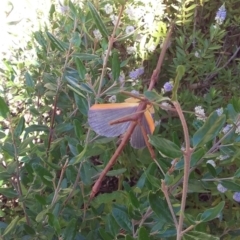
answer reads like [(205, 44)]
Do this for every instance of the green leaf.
[(28, 79), (116, 172), (79, 157), (76, 40), (180, 72), (211, 170), (8, 148), (80, 68), (29, 230), (4, 110), (237, 173), (209, 130), (115, 66), (53, 222), (112, 225), (98, 20), (8, 192), (55, 42), (230, 185), (105, 235), (152, 96), (42, 200), (128, 237), (43, 173), (2, 135), (143, 234), (74, 83), (131, 195), (42, 215), (77, 128), (51, 86), (63, 127), (165, 147), (195, 235), (212, 213), (71, 230), (86, 173), (5, 175), (160, 207), (35, 128), (82, 104), (20, 127), (122, 219), (11, 226), (86, 56)]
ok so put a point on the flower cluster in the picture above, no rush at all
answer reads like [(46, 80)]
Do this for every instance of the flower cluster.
[(167, 87), (227, 128), (221, 15), (114, 19), (129, 29), (97, 34), (136, 73), (237, 131), (219, 111), (199, 113), (221, 188), (108, 8), (197, 54), (131, 50), (236, 196), (135, 92)]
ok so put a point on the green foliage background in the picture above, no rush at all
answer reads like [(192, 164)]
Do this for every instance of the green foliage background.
[(50, 158)]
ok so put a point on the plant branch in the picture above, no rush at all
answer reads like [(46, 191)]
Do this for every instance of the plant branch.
[(187, 158), (157, 70), (165, 191), (110, 44), (59, 183)]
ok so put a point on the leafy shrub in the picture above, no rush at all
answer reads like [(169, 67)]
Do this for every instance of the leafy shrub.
[(50, 158)]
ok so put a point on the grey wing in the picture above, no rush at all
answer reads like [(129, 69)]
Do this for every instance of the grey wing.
[(99, 120), (137, 139)]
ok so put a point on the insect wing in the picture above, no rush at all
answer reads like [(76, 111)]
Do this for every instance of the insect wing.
[(137, 139), (100, 116)]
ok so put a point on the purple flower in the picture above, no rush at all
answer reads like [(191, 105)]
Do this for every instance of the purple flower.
[(236, 196), (168, 87), (221, 188), (136, 73), (221, 15)]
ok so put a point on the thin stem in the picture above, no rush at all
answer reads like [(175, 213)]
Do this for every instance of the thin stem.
[(59, 184), (165, 191), (110, 44), (187, 158), (216, 179), (74, 185), (145, 216)]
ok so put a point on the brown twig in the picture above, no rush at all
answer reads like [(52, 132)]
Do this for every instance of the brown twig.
[(110, 44), (157, 70), (187, 158), (165, 192)]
